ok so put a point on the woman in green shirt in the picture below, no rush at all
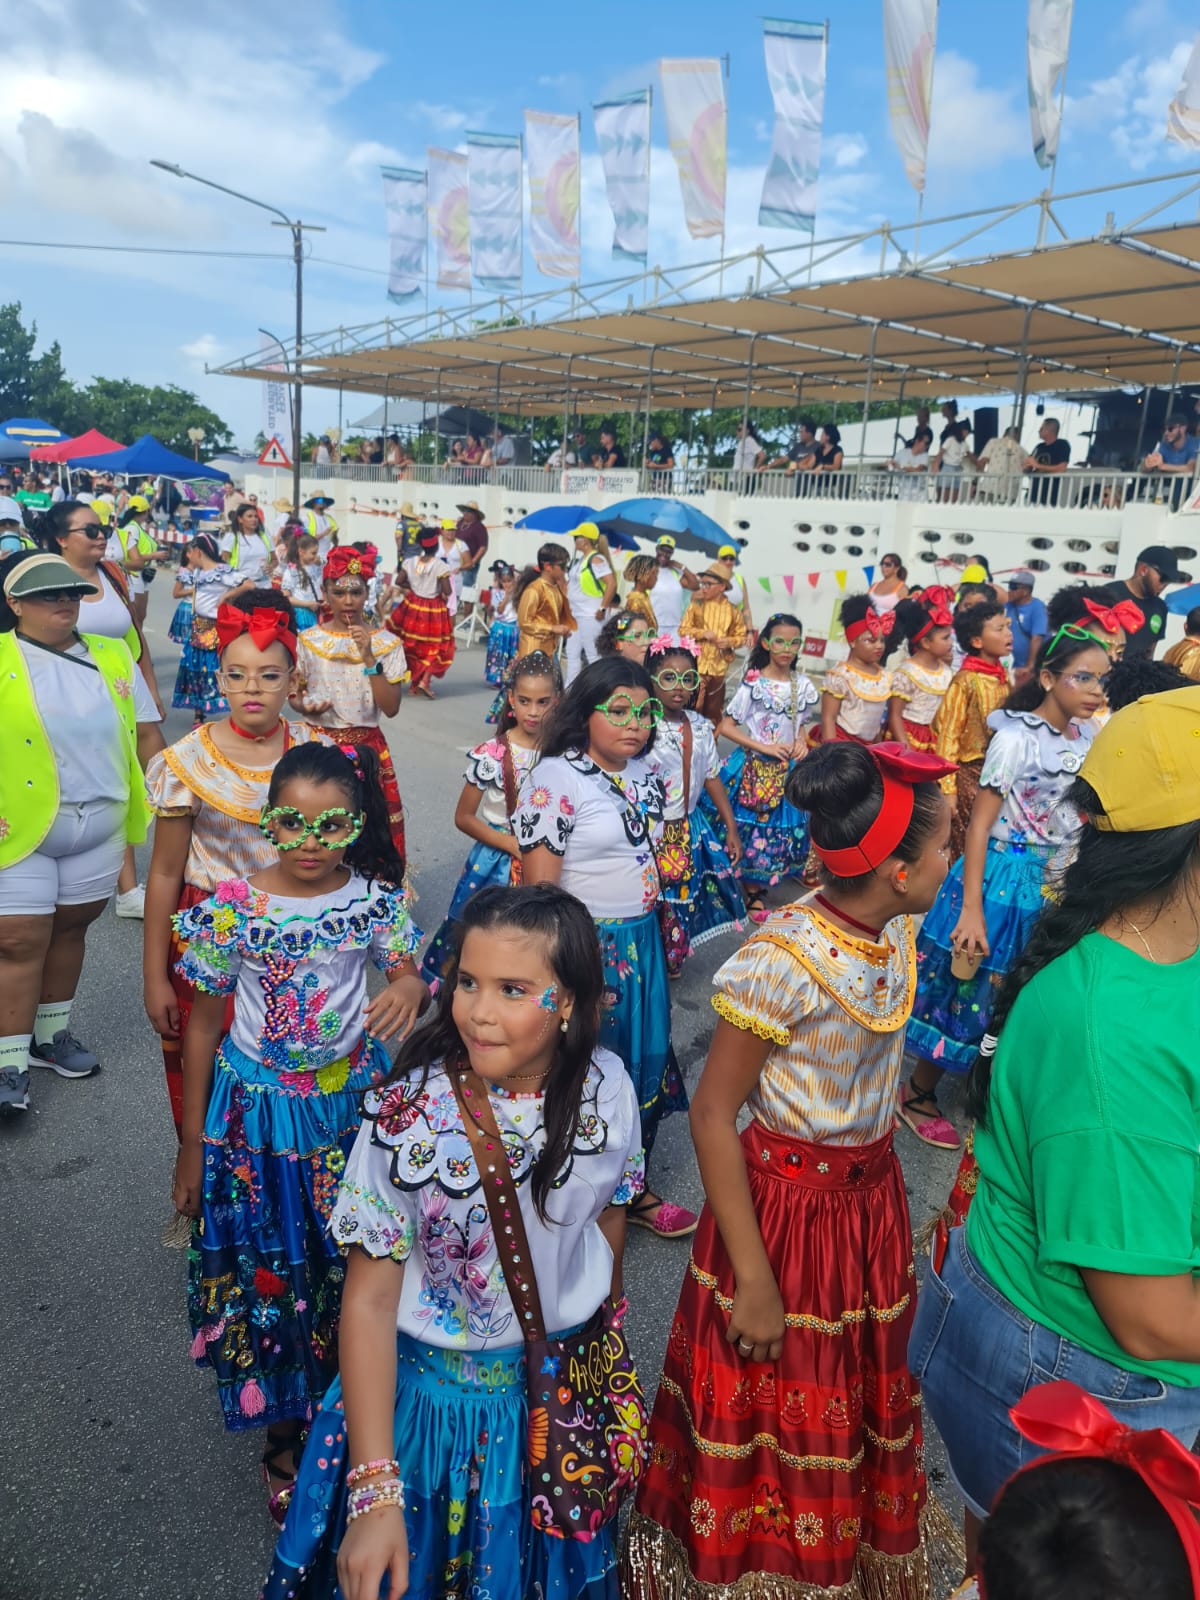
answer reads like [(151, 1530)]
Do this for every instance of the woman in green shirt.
[(1079, 1255)]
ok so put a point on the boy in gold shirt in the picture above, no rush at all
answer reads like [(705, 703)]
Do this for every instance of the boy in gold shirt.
[(719, 629)]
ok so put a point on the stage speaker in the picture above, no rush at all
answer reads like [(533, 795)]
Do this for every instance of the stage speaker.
[(986, 421)]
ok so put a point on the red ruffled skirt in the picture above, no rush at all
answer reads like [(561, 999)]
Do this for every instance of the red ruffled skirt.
[(802, 1476), (373, 738), (185, 995), (427, 632), (920, 736)]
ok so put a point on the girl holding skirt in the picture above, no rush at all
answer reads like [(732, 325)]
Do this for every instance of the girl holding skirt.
[(270, 1113), (919, 684), (301, 580), (785, 1445), (214, 582), (422, 619), (502, 635)]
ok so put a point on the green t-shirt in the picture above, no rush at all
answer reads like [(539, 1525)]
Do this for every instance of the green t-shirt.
[(35, 499), (1091, 1153)]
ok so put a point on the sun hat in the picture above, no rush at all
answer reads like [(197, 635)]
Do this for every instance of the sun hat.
[(319, 500), (281, 504), (10, 510), (45, 574), (468, 505), (714, 572), (1144, 764), (406, 509)]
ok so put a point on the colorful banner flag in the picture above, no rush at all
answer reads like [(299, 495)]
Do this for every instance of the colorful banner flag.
[(1183, 114), (406, 203), (909, 37), (795, 53), (497, 209), (1049, 40), (552, 143), (789, 583), (449, 214), (623, 135), (694, 106), (277, 397)]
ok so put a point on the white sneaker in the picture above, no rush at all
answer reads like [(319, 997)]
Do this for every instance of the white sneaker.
[(132, 903)]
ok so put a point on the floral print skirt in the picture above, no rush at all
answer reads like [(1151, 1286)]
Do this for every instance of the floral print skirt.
[(486, 868), (774, 843), (460, 1428), (635, 1020), (264, 1277)]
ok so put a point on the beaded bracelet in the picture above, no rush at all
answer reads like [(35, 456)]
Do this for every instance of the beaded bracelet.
[(371, 1496), (371, 1469)]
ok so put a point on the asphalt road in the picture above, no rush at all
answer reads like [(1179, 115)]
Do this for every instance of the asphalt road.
[(118, 1481)]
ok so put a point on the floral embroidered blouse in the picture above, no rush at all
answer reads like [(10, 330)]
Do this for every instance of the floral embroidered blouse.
[(411, 1190), (297, 967), (601, 825), (774, 712), (834, 1007), (864, 699), (485, 770), (1032, 766), (921, 690)]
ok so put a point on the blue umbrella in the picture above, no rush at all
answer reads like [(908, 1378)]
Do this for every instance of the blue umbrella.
[(1182, 601), (30, 431), (565, 519), (650, 516)]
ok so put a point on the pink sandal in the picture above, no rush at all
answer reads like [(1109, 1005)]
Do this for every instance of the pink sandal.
[(933, 1129), (669, 1221)]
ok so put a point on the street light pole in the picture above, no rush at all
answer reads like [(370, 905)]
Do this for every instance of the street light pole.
[(297, 230)]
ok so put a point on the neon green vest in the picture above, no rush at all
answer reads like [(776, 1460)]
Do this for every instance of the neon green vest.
[(588, 580), (236, 551), (29, 794), (309, 523)]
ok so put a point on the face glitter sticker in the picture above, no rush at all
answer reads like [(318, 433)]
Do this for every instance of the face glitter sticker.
[(548, 999)]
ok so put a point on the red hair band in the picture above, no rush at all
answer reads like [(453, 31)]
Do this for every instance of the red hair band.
[(1113, 618), (901, 769), (878, 627), (264, 625)]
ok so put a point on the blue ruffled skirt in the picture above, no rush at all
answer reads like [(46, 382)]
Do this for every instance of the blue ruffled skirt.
[(635, 1019), (305, 618), (951, 1015), (196, 687), (180, 630), (501, 648), (486, 868), (460, 1426), (264, 1277), (709, 902), (774, 844)]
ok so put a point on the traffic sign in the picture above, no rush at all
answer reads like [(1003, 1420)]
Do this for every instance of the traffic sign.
[(274, 456)]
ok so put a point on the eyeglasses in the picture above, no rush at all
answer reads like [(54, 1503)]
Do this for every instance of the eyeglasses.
[(677, 680), (620, 715), (348, 588), (288, 828), (782, 644), (270, 678)]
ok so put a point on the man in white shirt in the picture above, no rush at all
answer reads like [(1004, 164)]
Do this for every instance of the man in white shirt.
[(558, 459), (317, 522), (668, 597), (591, 585), (503, 449)]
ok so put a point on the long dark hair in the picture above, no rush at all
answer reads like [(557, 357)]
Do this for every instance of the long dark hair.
[(566, 728), (537, 664), (760, 655), (373, 854), (840, 787), (1054, 655), (1108, 872), (51, 527), (546, 912), (554, 554)]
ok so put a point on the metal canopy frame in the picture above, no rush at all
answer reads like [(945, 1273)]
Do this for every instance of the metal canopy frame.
[(1103, 310)]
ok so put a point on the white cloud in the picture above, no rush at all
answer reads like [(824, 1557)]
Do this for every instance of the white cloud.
[(762, 130), (441, 118), (207, 350), (1129, 108), (972, 126), (558, 80), (845, 149)]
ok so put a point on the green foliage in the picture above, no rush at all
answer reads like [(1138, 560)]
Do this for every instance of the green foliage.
[(37, 386)]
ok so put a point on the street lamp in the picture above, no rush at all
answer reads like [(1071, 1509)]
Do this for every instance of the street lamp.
[(297, 230), (196, 435)]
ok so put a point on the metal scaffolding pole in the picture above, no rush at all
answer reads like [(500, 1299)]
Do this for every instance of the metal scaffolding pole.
[(866, 410)]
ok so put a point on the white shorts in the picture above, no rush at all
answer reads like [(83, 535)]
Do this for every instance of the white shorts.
[(77, 862), (137, 584)]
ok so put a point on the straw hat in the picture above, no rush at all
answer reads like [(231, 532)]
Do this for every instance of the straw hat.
[(281, 504), (715, 573), (406, 509)]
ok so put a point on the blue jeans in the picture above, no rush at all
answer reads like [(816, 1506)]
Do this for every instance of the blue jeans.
[(975, 1354)]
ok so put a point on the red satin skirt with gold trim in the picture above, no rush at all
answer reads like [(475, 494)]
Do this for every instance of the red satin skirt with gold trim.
[(920, 736), (795, 1477)]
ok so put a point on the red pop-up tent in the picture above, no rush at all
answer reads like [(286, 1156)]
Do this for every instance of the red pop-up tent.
[(91, 443)]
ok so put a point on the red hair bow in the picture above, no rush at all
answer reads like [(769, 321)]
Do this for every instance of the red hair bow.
[(936, 595), (1066, 1421), (1113, 618), (936, 616), (264, 625), (877, 626), (347, 562)]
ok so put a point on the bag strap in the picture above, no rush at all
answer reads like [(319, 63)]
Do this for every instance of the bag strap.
[(504, 1208), (687, 765), (508, 768)]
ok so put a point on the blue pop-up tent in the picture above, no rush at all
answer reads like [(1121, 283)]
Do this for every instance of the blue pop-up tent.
[(147, 457)]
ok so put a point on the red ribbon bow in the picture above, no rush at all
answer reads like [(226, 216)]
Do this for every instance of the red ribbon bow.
[(347, 562), (1113, 618), (900, 769), (937, 616), (936, 595), (877, 626), (264, 625)]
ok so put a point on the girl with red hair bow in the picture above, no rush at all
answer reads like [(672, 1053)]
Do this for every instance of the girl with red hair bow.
[(423, 618), (350, 675), (920, 683), (856, 691)]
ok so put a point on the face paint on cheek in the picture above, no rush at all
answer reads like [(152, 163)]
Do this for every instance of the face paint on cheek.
[(548, 999)]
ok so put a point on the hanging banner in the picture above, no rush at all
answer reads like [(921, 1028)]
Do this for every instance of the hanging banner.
[(449, 217), (406, 203), (909, 37), (496, 209), (623, 135), (1049, 40), (795, 53), (694, 106), (552, 143), (277, 397), (1183, 114)]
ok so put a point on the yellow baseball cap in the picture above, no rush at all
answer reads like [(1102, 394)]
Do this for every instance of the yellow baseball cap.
[(137, 502), (1145, 764), (726, 551), (666, 542), (974, 573), (103, 510), (586, 530)]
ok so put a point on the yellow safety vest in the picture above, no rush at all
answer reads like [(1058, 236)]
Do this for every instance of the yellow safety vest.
[(237, 546), (29, 792)]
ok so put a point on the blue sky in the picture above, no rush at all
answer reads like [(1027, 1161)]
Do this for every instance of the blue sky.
[(300, 103)]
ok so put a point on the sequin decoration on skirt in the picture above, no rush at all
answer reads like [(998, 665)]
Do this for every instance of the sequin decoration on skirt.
[(708, 902), (264, 1277), (774, 843), (501, 648), (920, 736), (185, 996), (635, 1020), (373, 738), (459, 1432), (425, 627), (196, 687), (180, 630), (486, 868), (803, 1476), (950, 1015)]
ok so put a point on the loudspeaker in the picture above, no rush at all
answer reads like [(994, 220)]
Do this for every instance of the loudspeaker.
[(986, 421)]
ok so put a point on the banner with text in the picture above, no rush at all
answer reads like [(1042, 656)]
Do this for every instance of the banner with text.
[(795, 53), (621, 480), (623, 135), (552, 145), (449, 217), (497, 209), (1183, 114), (909, 39), (1048, 42), (277, 397), (694, 108), (406, 202)]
